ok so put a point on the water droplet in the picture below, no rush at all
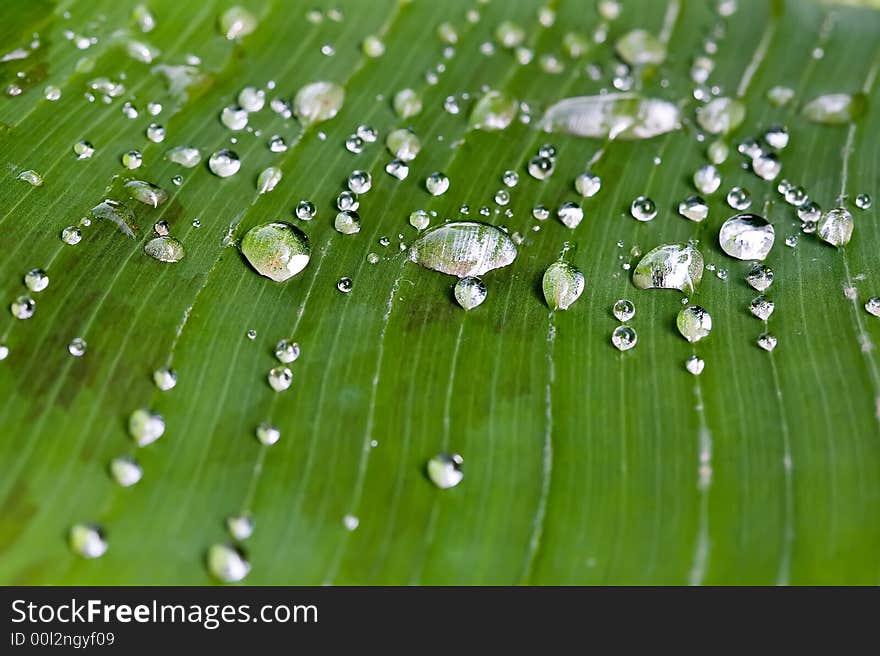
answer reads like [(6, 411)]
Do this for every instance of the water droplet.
[(693, 208), (447, 33), (502, 197), (717, 152), (721, 115), (350, 522), (571, 214), (541, 168), (694, 323), (286, 351), (464, 249), (863, 201), (87, 540), (23, 307), (766, 166), (186, 156), (165, 378), (836, 108), (268, 179), (760, 277), (624, 338), (126, 471), (317, 102), (348, 222), (494, 111), (809, 212), (403, 144), (359, 182), (155, 133), (437, 183), (779, 95), (695, 365), (36, 280), (227, 563), (640, 48), (276, 250), (345, 285), (240, 527), (795, 195), (419, 219), (623, 310), (268, 434), (563, 283), (540, 212), (643, 209), (77, 347), (224, 163), (277, 144), (746, 237), (470, 292), (444, 470), (407, 103), (670, 266), (397, 169), (762, 307), (83, 149), (707, 179), (614, 116), (52, 93), (145, 426), (71, 235), (776, 136), (165, 249), (767, 342), (739, 198), (234, 118), (791, 241), (146, 192), (237, 22), (836, 226), (872, 305), (305, 210), (31, 177), (280, 378), (132, 160), (251, 99)]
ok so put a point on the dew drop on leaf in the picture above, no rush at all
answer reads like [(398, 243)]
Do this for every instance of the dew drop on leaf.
[(237, 22), (836, 108), (464, 248), (145, 426), (267, 434), (36, 280), (563, 283), (87, 540), (470, 292), (721, 115), (444, 470), (624, 338), (318, 102), (277, 250), (747, 237), (670, 266), (612, 116), (640, 47), (280, 378), (623, 310), (836, 226), (694, 323), (165, 249), (224, 163), (126, 471), (227, 563), (493, 111)]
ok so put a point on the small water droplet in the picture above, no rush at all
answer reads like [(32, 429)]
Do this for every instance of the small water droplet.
[(227, 563), (643, 209), (403, 144), (444, 470), (146, 192), (780, 95), (863, 201), (397, 169), (624, 338), (407, 103), (760, 277), (836, 108), (132, 159), (437, 183), (694, 208), (237, 22), (563, 283), (317, 102), (155, 133), (77, 347), (165, 378), (240, 527), (419, 219), (251, 99), (766, 166), (23, 307), (767, 342), (359, 182), (470, 292), (345, 285), (4, 351), (721, 115), (224, 163), (36, 280), (776, 136), (707, 179), (126, 471), (739, 198), (268, 179), (695, 365), (694, 323), (571, 214), (71, 235), (540, 212), (186, 156), (31, 177), (305, 210), (836, 226), (286, 351), (510, 178), (762, 307), (640, 48), (348, 222), (83, 149), (350, 522), (145, 426), (587, 184), (872, 306), (747, 237), (541, 168), (623, 310), (280, 378), (87, 540), (165, 249), (267, 434)]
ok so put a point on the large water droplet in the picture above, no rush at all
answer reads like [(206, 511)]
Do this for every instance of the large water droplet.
[(747, 237), (186, 156), (571, 214), (276, 250), (403, 144), (694, 323), (317, 102), (165, 249), (693, 208), (464, 248), (836, 226), (470, 292), (444, 470), (836, 108), (563, 283), (146, 192), (224, 163), (614, 116), (670, 266), (721, 115)]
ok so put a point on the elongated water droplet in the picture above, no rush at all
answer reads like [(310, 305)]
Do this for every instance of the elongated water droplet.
[(872, 306), (746, 237), (146, 192), (836, 108), (237, 22), (126, 471), (563, 283), (186, 156), (276, 250), (694, 208), (721, 115), (694, 323), (464, 248), (640, 47), (444, 470), (494, 111), (280, 378), (268, 179), (87, 540), (624, 338), (165, 249), (31, 177), (318, 102), (227, 563), (613, 116), (145, 426), (470, 292), (836, 226), (670, 266)]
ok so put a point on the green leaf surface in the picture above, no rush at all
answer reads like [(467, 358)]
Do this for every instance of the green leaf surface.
[(582, 464)]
